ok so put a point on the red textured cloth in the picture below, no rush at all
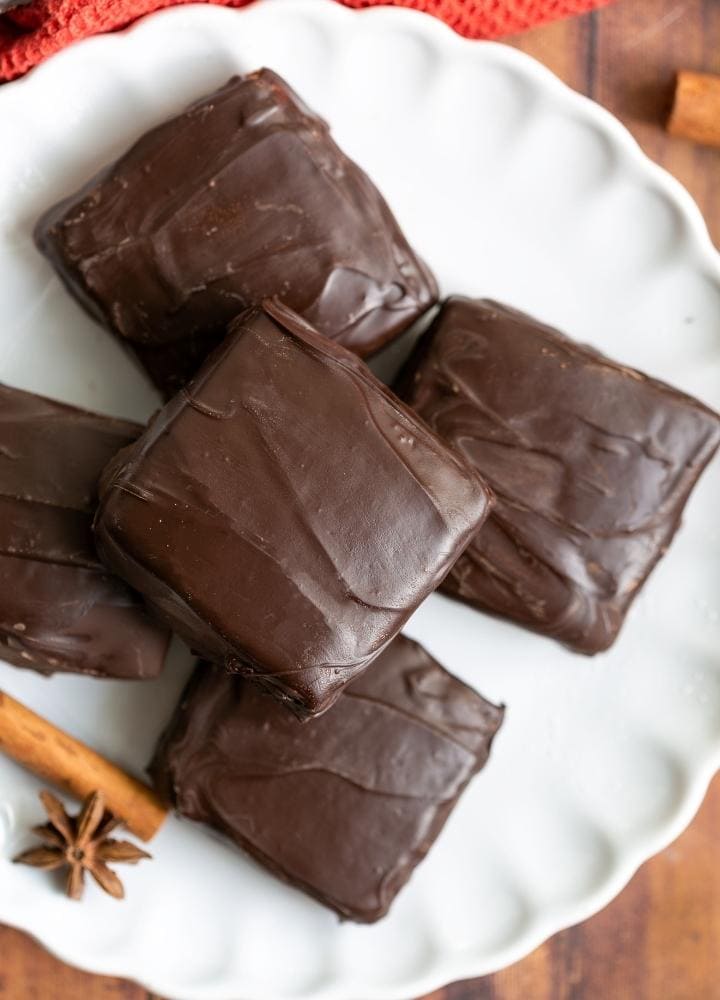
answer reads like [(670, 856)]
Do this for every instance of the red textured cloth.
[(32, 33)]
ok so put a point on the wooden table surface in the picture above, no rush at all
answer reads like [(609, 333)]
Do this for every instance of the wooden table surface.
[(659, 940)]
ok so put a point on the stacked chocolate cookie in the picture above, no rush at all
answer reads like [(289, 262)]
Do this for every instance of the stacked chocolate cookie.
[(285, 512)]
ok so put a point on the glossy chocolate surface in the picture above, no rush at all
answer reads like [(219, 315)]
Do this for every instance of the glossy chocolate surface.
[(285, 513), (346, 806), (60, 609), (242, 197), (591, 464)]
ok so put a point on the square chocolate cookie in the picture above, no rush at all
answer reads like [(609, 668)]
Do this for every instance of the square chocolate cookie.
[(285, 513), (591, 464), (243, 196), (60, 608), (347, 806)]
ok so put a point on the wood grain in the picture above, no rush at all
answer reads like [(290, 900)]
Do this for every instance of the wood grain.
[(659, 939), (626, 58)]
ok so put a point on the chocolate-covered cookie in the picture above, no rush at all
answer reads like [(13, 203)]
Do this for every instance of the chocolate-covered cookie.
[(346, 806), (243, 196), (285, 513), (591, 464), (60, 608)]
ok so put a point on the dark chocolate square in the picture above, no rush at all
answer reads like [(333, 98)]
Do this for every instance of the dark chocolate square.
[(591, 464), (60, 608), (285, 513), (242, 197), (347, 806)]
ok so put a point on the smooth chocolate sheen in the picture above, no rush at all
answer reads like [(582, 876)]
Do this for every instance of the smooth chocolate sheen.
[(591, 464), (60, 608), (347, 806), (285, 513), (242, 197)]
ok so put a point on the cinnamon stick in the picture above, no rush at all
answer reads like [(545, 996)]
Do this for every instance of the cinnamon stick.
[(696, 108), (71, 765)]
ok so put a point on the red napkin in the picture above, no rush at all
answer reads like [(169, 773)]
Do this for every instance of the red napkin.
[(31, 33)]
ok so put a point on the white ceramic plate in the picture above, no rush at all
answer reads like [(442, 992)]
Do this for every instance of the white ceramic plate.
[(511, 186)]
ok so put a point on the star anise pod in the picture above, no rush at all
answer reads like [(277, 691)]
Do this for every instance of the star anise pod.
[(81, 844)]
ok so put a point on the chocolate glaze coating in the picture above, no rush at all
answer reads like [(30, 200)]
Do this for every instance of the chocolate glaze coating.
[(242, 197), (347, 806), (591, 464), (60, 609), (285, 513)]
